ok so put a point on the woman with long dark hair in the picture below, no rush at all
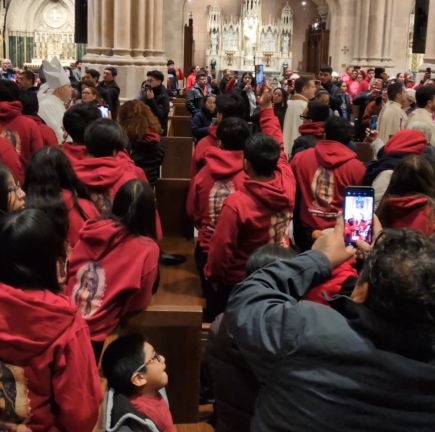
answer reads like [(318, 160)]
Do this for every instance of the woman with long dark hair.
[(114, 267), (409, 201), (280, 97), (202, 119), (45, 346), (11, 194), (245, 87), (143, 131), (53, 187)]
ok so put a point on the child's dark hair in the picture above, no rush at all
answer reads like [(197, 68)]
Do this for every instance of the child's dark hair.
[(266, 255), (121, 359), (233, 133), (103, 137), (262, 152)]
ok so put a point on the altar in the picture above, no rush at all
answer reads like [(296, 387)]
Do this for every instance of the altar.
[(240, 43)]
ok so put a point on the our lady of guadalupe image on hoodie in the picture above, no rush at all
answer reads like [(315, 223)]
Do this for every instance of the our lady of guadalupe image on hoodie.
[(219, 193), (323, 190), (102, 200), (279, 231), (13, 137), (14, 403), (89, 291)]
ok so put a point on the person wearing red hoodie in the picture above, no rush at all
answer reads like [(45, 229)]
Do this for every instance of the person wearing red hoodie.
[(322, 173), (257, 214), (226, 106), (313, 118), (48, 377), (222, 175), (53, 187), (102, 172), (409, 201), (9, 156), (365, 85), (30, 104), (23, 133), (114, 267)]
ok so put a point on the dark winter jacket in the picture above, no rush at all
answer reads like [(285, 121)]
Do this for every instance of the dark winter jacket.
[(201, 122), (223, 84), (232, 381), (148, 154), (328, 369), (159, 106), (110, 93), (334, 95), (239, 89), (280, 111)]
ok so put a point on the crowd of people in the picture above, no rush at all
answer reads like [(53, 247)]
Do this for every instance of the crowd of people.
[(308, 332)]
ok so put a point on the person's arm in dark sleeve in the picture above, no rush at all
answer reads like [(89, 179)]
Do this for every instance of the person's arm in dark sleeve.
[(259, 311), (160, 108), (190, 97), (360, 99), (197, 128)]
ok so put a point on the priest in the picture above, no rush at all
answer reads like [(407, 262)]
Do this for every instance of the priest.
[(54, 95)]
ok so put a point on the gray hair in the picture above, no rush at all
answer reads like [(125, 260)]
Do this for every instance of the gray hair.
[(422, 127)]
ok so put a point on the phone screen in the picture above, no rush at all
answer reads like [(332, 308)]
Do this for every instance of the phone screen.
[(11, 76), (373, 123), (429, 70), (259, 78), (104, 111), (358, 214)]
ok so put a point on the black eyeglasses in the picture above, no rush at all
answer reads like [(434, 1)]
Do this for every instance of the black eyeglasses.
[(15, 188), (156, 357), (302, 117)]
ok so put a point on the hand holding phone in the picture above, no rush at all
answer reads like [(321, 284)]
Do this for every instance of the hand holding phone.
[(104, 110), (373, 122), (359, 202)]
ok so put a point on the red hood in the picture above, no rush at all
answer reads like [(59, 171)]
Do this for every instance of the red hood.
[(10, 110), (151, 137), (332, 154), (35, 119), (75, 152), (98, 237), (405, 204), (364, 75), (275, 194), (212, 132), (28, 334), (406, 141), (100, 173), (315, 129), (126, 161), (224, 163)]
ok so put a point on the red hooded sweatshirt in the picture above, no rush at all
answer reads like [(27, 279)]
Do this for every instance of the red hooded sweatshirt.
[(406, 141), (315, 129), (110, 272), (222, 176), (10, 158), (21, 131), (48, 136), (75, 152), (322, 173), (76, 221), (198, 159), (48, 377), (410, 212), (255, 215), (332, 287)]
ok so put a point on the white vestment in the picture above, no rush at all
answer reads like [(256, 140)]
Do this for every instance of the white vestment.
[(422, 115), (295, 107), (52, 110), (392, 119)]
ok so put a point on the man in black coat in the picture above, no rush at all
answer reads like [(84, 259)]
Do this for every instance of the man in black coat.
[(197, 93), (325, 77), (225, 80), (109, 91), (365, 363), (155, 95)]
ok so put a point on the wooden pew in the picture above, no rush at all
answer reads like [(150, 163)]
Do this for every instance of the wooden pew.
[(179, 126), (171, 197), (174, 332), (178, 155), (181, 110), (364, 152)]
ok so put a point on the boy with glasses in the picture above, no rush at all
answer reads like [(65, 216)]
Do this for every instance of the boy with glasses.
[(137, 375)]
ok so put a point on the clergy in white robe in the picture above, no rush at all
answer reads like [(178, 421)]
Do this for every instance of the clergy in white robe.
[(53, 96), (295, 108)]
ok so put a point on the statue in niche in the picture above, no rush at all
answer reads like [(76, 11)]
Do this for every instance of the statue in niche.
[(214, 40), (285, 43), (250, 37)]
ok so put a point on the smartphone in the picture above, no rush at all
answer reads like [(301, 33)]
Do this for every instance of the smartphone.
[(11, 77), (373, 123), (236, 73), (104, 110), (318, 82), (429, 70), (359, 202), (259, 78), (357, 67)]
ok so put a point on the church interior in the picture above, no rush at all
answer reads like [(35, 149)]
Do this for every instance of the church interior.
[(137, 37)]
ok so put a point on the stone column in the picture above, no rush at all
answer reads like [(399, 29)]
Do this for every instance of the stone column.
[(107, 16), (377, 22), (122, 32), (389, 17), (158, 33), (139, 31), (149, 39), (429, 57), (93, 48)]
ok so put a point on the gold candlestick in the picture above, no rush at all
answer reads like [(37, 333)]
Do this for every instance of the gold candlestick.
[(230, 55), (268, 56)]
